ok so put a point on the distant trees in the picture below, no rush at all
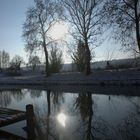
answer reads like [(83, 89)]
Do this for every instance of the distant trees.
[(34, 61), (124, 17), (16, 62), (4, 59), (86, 19), (110, 55), (39, 20), (55, 59)]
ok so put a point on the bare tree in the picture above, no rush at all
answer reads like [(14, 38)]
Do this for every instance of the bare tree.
[(124, 17), (16, 62), (85, 17), (39, 20), (136, 58), (110, 55), (4, 59), (34, 61)]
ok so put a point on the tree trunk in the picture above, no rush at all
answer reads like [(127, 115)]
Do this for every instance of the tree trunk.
[(48, 115), (46, 59), (89, 127), (87, 58), (137, 25), (48, 99)]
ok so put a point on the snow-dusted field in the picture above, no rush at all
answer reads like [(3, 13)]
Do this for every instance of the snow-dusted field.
[(121, 77)]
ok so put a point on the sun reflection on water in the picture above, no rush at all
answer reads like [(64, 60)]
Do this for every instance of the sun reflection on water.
[(61, 117)]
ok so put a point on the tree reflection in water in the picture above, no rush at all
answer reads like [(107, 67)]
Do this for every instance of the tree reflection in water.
[(83, 113), (7, 95), (17, 94), (46, 119), (94, 128), (35, 93), (57, 100), (5, 98)]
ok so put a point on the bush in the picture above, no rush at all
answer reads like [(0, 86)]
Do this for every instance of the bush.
[(55, 60)]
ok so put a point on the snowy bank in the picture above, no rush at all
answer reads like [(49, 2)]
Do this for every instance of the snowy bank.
[(122, 77)]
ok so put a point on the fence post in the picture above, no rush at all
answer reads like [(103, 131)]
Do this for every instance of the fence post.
[(30, 121)]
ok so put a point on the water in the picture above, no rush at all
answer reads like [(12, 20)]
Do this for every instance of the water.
[(76, 113)]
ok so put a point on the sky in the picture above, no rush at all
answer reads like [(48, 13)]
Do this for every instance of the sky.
[(12, 17)]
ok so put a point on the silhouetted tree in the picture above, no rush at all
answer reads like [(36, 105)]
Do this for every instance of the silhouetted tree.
[(78, 56), (16, 62), (34, 61), (55, 60), (109, 57), (4, 59), (124, 17), (39, 20), (84, 16)]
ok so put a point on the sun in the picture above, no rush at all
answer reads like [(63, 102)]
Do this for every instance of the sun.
[(59, 31)]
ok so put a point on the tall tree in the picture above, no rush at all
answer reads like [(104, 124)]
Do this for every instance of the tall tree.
[(85, 17), (39, 20), (124, 17)]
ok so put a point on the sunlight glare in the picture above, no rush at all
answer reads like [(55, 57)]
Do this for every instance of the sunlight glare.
[(59, 31), (62, 119)]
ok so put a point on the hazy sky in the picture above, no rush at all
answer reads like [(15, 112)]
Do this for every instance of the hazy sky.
[(12, 17)]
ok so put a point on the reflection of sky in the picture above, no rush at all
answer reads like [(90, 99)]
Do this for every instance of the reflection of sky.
[(111, 110)]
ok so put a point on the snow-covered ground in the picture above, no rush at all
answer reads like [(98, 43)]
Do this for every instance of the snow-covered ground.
[(128, 77)]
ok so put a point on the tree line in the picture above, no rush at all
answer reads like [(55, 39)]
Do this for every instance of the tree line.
[(55, 61), (89, 19), (5, 61)]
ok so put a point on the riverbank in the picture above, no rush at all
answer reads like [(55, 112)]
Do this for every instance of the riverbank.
[(108, 77)]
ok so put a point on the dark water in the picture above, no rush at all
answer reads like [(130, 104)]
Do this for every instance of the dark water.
[(81, 115)]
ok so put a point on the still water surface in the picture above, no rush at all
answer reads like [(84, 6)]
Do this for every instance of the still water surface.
[(76, 115)]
